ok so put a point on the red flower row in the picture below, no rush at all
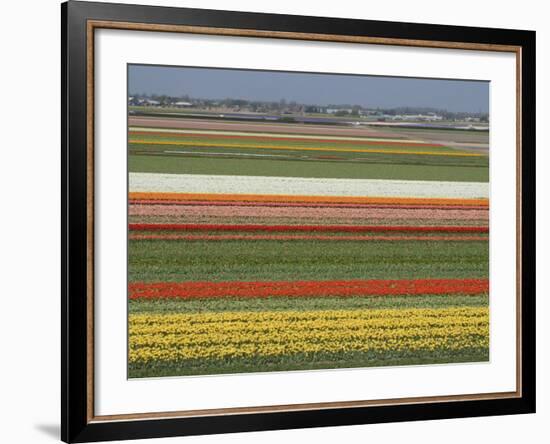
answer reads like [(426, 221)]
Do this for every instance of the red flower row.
[(289, 237), (375, 287)]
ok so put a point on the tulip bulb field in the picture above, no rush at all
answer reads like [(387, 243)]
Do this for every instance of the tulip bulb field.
[(269, 245)]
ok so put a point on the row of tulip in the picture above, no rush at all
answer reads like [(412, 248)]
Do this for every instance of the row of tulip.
[(230, 199), (291, 237), (312, 213), (158, 199), (347, 288), (306, 228), (154, 337), (302, 139), (269, 186), (420, 150)]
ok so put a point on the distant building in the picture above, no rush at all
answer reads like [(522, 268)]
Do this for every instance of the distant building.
[(422, 117), (339, 110)]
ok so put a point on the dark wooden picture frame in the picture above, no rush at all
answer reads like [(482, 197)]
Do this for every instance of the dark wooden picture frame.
[(79, 21)]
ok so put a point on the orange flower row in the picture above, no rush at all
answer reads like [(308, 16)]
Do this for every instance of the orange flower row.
[(158, 196)]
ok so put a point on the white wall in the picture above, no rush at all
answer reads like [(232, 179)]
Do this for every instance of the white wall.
[(29, 222)]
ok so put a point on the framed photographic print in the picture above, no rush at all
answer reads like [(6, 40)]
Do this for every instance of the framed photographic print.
[(277, 221)]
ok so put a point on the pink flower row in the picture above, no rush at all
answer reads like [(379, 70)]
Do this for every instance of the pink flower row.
[(307, 212)]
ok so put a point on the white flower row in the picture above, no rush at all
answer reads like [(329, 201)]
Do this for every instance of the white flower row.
[(199, 183)]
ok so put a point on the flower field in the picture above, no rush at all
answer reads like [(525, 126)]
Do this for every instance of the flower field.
[(267, 251)]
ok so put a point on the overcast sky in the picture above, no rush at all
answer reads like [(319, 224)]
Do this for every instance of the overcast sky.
[(314, 89)]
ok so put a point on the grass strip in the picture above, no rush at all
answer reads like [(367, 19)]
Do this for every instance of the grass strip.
[(302, 361), (167, 261), (172, 306)]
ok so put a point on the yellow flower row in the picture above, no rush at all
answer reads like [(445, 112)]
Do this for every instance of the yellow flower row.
[(175, 340), (302, 148), (298, 315), (158, 337), (320, 323)]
